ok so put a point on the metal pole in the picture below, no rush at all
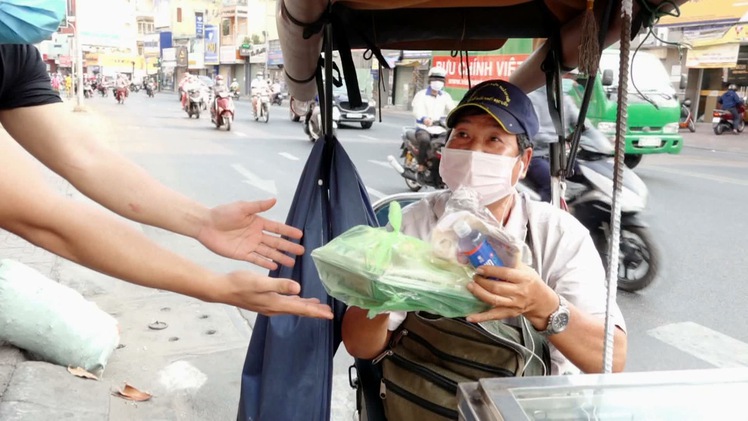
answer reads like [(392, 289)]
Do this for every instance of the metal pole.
[(78, 67)]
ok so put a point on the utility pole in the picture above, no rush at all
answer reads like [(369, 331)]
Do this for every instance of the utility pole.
[(78, 65)]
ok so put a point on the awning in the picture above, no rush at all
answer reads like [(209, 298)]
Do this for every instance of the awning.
[(708, 13)]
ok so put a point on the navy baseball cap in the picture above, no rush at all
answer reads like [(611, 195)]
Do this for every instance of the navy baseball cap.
[(506, 103)]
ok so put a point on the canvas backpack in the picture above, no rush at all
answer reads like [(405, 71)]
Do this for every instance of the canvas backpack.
[(429, 355)]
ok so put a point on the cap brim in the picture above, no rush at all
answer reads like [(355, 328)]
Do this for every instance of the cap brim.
[(505, 119)]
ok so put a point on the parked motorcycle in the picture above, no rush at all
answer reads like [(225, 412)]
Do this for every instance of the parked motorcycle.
[(590, 202), (686, 117), (313, 121), (409, 168), (120, 94), (722, 121), (194, 101), (222, 113), (262, 110)]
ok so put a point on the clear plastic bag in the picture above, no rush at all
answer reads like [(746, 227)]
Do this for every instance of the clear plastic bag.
[(382, 270), (463, 205)]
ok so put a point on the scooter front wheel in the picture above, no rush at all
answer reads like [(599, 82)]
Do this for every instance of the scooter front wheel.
[(639, 259)]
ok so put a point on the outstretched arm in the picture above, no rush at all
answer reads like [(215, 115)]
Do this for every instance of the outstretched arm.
[(55, 137), (93, 238)]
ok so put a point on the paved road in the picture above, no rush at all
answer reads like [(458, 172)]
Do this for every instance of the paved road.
[(692, 317)]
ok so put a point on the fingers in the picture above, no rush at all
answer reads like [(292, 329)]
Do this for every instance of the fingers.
[(492, 314), (258, 260), (490, 298), (305, 308), (281, 229), (278, 243), (258, 206), (274, 255)]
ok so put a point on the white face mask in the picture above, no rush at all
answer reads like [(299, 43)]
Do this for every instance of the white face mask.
[(436, 85), (487, 174)]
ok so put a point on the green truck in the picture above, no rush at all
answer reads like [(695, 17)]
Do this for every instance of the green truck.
[(653, 113)]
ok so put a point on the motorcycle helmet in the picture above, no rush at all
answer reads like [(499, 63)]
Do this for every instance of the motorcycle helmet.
[(732, 87), (437, 73), (219, 78)]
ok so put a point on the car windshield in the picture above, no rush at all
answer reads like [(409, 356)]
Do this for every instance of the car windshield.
[(646, 72)]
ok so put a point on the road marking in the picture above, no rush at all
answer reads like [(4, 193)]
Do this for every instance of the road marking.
[(381, 163), (706, 344), (367, 137), (240, 134), (288, 156), (254, 180), (376, 193), (702, 176)]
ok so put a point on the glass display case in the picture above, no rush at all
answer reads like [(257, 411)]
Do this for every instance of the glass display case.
[(689, 395)]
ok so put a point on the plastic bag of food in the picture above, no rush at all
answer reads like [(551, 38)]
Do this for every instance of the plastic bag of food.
[(382, 270)]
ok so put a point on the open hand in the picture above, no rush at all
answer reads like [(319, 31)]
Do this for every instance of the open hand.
[(268, 296), (237, 232), (518, 291)]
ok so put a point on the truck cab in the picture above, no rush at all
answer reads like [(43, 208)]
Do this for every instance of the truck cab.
[(653, 110)]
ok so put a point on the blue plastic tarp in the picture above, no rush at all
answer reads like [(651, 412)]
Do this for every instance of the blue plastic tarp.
[(288, 370)]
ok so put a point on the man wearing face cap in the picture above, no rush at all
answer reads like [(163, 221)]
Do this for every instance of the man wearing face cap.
[(488, 151), (32, 114)]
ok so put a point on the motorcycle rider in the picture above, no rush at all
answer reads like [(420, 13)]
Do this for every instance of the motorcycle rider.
[(539, 171), (258, 86), (123, 84), (218, 87), (234, 87), (186, 80), (275, 88), (430, 106), (730, 102)]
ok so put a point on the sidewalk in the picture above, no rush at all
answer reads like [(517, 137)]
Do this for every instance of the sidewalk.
[(35, 390), (192, 368)]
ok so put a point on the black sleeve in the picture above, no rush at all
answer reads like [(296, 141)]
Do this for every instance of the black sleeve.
[(24, 81)]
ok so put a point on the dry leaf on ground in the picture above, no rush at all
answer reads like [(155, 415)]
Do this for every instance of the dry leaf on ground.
[(79, 372), (133, 394)]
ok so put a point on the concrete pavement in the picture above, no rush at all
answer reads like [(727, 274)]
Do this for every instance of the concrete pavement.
[(193, 363)]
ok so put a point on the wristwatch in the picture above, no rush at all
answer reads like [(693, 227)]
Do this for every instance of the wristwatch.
[(558, 320)]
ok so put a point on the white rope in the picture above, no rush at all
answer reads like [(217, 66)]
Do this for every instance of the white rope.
[(615, 217)]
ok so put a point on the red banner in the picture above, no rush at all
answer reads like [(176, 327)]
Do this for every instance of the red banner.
[(482, 68)]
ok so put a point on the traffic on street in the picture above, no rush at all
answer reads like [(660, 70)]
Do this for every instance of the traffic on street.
[(694, 214)]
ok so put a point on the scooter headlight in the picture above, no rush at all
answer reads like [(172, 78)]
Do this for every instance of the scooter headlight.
[(670, 128)]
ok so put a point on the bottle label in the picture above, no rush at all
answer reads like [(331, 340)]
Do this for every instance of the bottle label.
[(484, 255)]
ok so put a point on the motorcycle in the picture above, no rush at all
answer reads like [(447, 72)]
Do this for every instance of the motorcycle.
[(135, 87), (222, 112), (313, 122), (589, 199), (263, 106), (277, 98), (88, 90), (149, 90), (235, 93), (409, 168), (103, 90), (194, 101), (722, 121), (120, 94), (686, 117)]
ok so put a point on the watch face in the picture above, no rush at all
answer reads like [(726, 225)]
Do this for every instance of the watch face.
[(560, 322)]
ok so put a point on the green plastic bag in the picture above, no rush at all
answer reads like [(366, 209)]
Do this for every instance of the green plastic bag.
[(381, 270)]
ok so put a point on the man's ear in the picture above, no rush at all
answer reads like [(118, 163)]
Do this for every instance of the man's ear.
[(525, 159)]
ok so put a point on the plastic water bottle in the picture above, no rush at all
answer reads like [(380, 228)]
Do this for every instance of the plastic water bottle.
[(474, 246)]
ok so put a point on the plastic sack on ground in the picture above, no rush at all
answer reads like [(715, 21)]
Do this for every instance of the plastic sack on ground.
[(53, 322), (382, 270)]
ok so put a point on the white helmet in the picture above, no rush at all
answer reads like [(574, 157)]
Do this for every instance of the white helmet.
[(437, 73)]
